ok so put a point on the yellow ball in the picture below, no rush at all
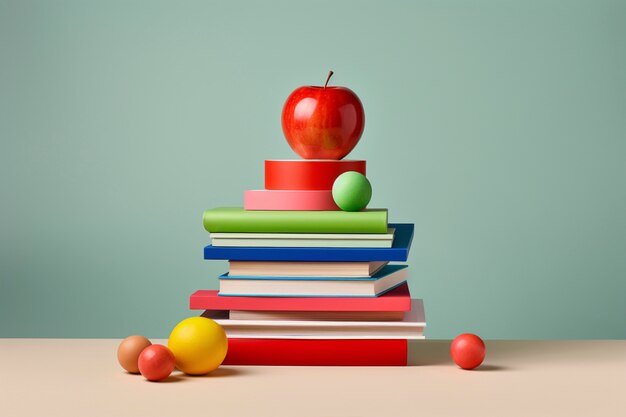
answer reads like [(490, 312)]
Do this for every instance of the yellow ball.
[(199, 345)]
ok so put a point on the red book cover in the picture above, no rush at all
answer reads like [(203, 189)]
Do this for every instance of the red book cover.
[(303, 352), (398, 299)]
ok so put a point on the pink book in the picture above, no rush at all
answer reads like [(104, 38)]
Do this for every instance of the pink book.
[(398, 299), (289, 200)]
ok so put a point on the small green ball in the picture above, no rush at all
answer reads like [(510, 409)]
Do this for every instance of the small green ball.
[(352, 191)]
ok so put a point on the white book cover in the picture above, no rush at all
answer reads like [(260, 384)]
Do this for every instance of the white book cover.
[(305, 269), (411, 327), (304, 240), (384, 280)]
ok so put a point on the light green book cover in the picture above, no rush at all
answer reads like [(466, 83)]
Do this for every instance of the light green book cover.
[(236, 219)]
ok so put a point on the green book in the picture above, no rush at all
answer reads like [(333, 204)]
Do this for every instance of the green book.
[(238, 220)]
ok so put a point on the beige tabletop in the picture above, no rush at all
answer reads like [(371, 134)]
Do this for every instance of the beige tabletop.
[(70, 377)]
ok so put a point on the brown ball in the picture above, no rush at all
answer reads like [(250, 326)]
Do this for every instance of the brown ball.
[(129, 350)]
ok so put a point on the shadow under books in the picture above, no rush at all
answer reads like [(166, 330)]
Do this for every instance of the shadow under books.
[(221, 372), (437, 352), (433, 352)]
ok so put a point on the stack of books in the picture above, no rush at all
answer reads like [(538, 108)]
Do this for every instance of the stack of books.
[(309, 284)]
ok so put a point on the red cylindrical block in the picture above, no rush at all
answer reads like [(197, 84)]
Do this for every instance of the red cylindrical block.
[(307, 174)]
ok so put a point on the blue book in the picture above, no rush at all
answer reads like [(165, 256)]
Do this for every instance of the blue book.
[(384, 280), (398, 252)]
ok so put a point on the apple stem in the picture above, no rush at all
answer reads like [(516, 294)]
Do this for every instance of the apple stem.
[(330, 74)]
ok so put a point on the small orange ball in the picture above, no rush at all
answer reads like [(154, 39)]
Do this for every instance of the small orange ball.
[(468, 351), (129, 350), (156, 362)]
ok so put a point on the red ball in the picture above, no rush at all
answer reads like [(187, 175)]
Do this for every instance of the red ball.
[(468, 350), (156, 362)]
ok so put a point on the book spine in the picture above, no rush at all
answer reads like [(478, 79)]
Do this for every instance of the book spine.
[(305, 254), (327, 352), (232, 220), (398, 299)]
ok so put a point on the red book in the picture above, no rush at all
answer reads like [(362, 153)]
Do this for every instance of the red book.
[(398, 299), (303, 352)]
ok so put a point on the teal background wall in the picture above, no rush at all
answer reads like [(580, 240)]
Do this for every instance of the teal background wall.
[(497, 127)]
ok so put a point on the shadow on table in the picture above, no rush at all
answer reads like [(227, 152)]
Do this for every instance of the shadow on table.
[(172, 378), (429, 352), (437, 352), (489, 368), (221, 372)]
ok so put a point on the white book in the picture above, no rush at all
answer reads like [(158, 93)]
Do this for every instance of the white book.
[(317, 315), (305, 269), (411, 327), (384, 280), (305, 240)]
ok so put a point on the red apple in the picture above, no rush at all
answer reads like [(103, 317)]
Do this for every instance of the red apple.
[(323, 122)]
